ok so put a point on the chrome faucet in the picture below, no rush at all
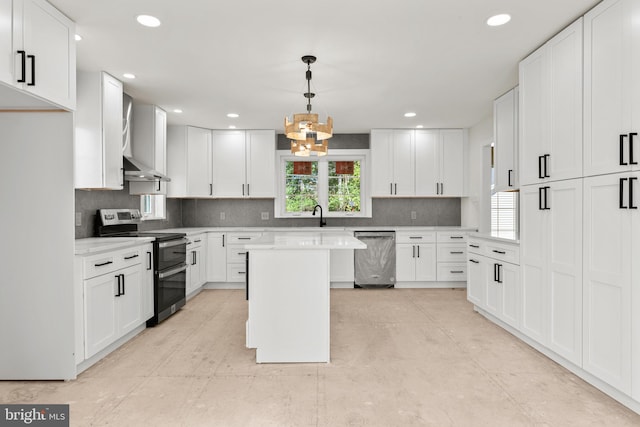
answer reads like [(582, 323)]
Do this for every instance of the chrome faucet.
[(322, 222)]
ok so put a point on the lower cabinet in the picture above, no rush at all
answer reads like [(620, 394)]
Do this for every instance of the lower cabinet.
[(216, 257), (416, 262), (342, 265), (196, 262), (147, 283)]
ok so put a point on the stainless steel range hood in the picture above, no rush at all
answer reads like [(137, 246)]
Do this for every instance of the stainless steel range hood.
[(134, 169)]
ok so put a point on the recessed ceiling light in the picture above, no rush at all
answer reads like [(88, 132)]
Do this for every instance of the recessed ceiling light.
[(419, 127), (232, 127), (233, 115), (411, 114), (129, 76), (148, 20), (78, 37), (177, 110), (497, 20)]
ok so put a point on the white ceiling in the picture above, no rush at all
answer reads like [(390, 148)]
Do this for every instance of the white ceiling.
[(377, 59)]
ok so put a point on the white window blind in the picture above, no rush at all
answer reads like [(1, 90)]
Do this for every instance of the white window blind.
[(504, 214)]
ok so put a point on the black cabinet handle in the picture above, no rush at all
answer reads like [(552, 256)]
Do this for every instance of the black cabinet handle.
[(546, 165), (415, 237), (509, 172), (437, 188), (456, 237), (474, 261), (456, 253), (499, 252), (631, 156), (124, 291), (395, 187), (631, 205), (131, 257), (621, 194), (414, 251), (193, 257), (474, 246), (149, 260), (391, 188), (248, 190), (243, 189), (223, 240), (495, 272), (33, 70), (441, 188), (418, 251), (211, 189), (622, 162), (540, 190), (158, 189), (499, 273), (546, 198), (456, 271), (244, 238), (120, 278), (540, 175), (23, 61), (103, 264)]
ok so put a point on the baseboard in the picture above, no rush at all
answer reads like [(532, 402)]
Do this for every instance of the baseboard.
[(86, 364)]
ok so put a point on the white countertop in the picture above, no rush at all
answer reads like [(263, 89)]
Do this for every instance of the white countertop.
[(494, 237), (306, 240), (311, 229), (93, 245)]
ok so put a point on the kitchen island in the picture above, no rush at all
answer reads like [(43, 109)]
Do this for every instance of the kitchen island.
[(288, 294)]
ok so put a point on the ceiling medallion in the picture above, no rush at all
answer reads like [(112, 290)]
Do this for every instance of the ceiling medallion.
[(307, 135)]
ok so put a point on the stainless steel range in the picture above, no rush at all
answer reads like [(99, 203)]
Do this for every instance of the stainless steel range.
[(169, 258)]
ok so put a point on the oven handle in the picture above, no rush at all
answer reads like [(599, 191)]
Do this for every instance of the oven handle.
[(172, 243), (172, 271)]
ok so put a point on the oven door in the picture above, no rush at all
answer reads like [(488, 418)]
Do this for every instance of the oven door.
[(171, 254), (171, 291)]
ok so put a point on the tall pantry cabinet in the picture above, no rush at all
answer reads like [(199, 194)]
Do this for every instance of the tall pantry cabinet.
[(611, 196), (550, 135)]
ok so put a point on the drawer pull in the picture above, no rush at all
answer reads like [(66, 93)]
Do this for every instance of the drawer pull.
[(132, 256), (499, 252), (241, 272), (474, 261), (415, 237), (456, 237), (475, 246), (456, 271), (103, 264), (244, 238), (456, 253), (242, 253)]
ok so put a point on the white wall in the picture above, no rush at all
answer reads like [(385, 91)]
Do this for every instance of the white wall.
[(473, 206)]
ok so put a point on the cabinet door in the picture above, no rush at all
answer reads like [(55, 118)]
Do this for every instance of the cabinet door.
[(200, 265), (564, 111), (403, 163), (49, 37), (493, 298), (510, 304), (341, 265), (477, 280), (504, 135), (100, 314), (112, 132), (426, 262), (261, 175), (452, 162), (216, 258), (533, 121), (381, 163), (608, 237), (129, 304), (427, 162), (229, 156), (564, 268), (611, 86), (405, 263), (198, 162), (533, 249), (6, 46), (147, 284)]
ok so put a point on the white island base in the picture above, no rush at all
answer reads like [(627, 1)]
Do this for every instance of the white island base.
[(288, 287)]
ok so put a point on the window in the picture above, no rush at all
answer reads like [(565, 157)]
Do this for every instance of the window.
[(153, 206), (504, 214), (335, 182)]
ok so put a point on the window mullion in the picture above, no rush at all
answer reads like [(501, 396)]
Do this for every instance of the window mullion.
[(323, 184)]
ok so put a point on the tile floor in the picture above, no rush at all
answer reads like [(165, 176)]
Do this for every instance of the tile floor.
[(400, 357)]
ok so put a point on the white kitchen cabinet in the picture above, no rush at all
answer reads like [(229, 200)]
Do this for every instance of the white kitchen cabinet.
[(393, 163), (505, 140), (196, 262), (100, 313), (477, 279), (550, 109), (611, 250), (416, 256), (551, 266), (611, 88), (341, 263), (216, 258), (38, 51), (439, 162), (98, 132), (150, 146), (237, 255), (189, 162), (244, 163), (147, 283), (451, 256)]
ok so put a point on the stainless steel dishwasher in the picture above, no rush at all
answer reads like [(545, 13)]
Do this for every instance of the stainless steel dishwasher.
[(376, 265)]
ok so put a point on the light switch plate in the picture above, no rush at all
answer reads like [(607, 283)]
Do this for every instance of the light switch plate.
[(78, 219), (264, 216), (223, 216), (413, 214)]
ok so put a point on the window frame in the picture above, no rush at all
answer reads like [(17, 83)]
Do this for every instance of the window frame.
[(283, 156), (155, 199)]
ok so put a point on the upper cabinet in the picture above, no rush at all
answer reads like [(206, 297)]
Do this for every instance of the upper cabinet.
[(98, 132), (150, 146), (550, 108), (189, 162), (611, 88), (37, 51), (244, 163), (421, 163), (505, 139)]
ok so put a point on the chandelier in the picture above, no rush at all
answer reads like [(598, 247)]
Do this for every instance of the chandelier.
[(307, 135)]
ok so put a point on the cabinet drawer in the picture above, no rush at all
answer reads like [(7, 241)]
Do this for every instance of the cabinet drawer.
[(236, 254), (452, 253), (242, 238), (415, 237), (130, 257), (236, 273), (97, 265), (503, 252), (453, 272), (452, 237), (195, 241), (476, 246)]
